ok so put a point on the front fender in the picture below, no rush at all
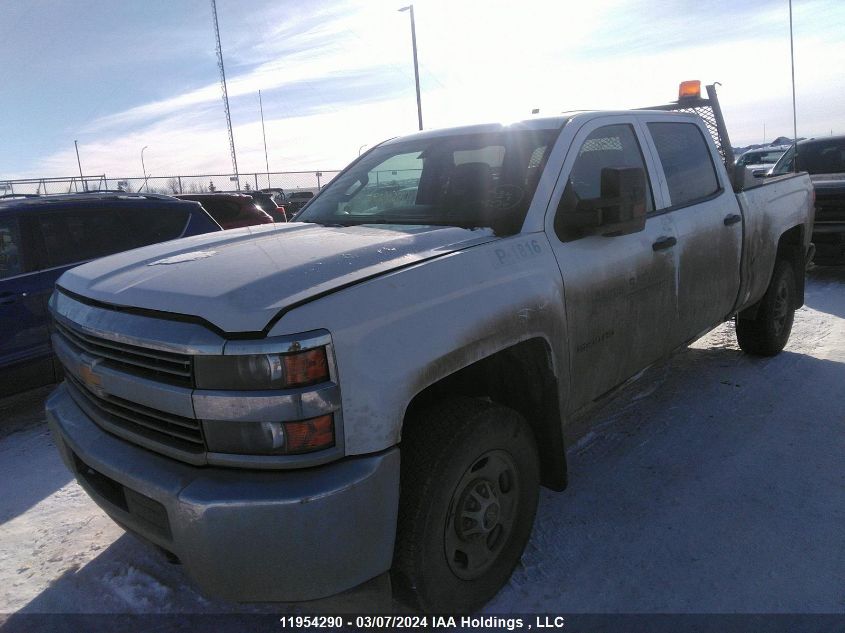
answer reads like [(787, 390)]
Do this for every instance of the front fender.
[(401, 332)]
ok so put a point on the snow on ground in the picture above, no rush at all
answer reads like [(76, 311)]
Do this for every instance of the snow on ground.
[(714, 483)]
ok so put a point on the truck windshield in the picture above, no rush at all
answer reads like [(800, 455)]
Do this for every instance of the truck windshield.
[(473, 180), (825, 156)]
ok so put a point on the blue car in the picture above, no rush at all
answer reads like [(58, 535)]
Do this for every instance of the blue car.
[(42, 237)]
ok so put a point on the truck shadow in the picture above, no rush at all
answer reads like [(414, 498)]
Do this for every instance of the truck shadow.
[(714, 484), (30, 466)]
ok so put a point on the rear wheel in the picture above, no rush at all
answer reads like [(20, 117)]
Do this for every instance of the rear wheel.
[(470, 483), (767, 334)]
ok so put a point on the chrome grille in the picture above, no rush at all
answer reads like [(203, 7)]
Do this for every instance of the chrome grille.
[(116, 414), (167, 366)]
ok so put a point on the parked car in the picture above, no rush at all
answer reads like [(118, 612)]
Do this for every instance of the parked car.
[(756, 162), (824, 160), (296, 200), (468, 327), (277, 193), (267, 203), (42, 237), (230, 210)]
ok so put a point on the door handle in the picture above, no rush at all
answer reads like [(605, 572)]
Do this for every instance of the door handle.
[(733, 218), (664, 243), (6, 298)]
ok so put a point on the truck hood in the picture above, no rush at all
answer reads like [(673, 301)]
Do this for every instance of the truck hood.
[(238, 280)]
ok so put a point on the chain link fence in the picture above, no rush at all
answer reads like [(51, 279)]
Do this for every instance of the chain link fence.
[(288, 181)]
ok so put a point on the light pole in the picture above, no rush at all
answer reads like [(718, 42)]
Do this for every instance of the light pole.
[(144, 169), (78, 162), (410, 8), (361, 149), (266, 161), (794, 114)]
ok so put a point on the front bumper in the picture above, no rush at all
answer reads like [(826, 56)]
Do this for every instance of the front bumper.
[(242, 535)]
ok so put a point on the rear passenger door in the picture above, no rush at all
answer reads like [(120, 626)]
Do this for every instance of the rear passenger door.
[(707, 219), (620, 292), (24, 342)]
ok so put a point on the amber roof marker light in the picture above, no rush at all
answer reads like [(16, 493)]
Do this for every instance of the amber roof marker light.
[(689, 90)]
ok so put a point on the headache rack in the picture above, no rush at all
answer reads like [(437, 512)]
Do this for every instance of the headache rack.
[(691, 101)]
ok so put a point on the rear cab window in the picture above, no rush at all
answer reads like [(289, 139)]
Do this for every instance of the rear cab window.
[(687, 162)]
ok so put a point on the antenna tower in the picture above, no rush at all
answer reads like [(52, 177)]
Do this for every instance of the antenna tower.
[(225, 93)]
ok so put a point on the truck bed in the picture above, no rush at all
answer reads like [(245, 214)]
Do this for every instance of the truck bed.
[(767, 211)]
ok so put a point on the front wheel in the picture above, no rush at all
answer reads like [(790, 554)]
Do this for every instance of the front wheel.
[(469, 489), (767, 334)]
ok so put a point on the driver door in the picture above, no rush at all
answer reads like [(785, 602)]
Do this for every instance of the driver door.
[(620, 292)]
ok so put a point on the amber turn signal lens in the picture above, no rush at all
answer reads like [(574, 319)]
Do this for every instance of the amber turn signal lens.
[(306, 368), (309, 435)]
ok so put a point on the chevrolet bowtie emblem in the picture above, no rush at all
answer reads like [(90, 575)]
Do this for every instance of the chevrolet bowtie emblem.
[(87, 375)]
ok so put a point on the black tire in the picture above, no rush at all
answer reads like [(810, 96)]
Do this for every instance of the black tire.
[(451, 454), (767, 334)]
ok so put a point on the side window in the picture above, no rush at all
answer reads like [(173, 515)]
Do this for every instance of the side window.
[(11, 257), (611, 146), (79, 235), (141, 227), (686, 160), (391, 184)]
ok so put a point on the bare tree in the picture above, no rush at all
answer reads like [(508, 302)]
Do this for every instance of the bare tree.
[(173, 185)]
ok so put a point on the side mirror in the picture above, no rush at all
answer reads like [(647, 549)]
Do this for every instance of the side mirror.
[(624, 189), (619, 210)]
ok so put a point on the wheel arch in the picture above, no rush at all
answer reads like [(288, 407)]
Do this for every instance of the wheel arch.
[(790, 247), (522, 377)]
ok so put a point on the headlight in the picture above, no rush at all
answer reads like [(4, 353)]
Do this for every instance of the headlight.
[(262, 371), (270, 438)]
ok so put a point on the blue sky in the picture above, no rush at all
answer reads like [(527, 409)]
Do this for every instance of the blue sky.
[(334, 75)]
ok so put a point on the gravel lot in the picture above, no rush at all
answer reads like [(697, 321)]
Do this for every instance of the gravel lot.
[(713, 484)]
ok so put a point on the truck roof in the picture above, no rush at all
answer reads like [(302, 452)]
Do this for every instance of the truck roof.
[(538, 123)]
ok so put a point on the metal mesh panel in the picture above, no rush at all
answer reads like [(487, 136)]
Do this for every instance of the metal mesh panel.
[(709, 118), (609, 143)]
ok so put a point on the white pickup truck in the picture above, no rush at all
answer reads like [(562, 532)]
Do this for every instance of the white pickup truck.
[(455, 298)]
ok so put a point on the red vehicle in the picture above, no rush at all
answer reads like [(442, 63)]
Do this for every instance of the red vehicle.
[(231, 210)]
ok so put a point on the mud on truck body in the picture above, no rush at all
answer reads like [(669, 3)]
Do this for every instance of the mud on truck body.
[(384, 384)]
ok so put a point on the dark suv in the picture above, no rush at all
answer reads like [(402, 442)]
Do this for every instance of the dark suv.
[(297, 200), (40, 238), (824, 159)]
